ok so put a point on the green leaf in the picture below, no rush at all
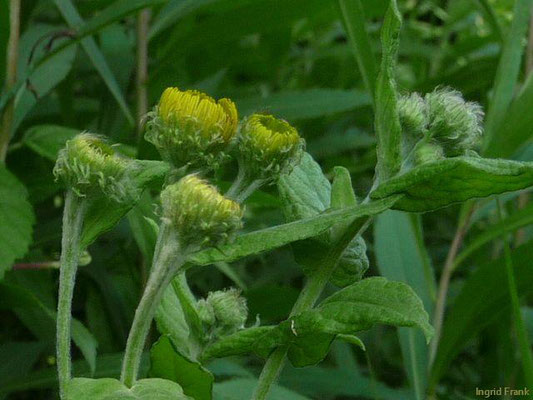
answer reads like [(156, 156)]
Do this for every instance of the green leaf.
[(507, 73), (310, 103), (277, 236), (44, 77), (387, 121), (16, 214), (112, 389), (167, 363), (104, 213), (482, 300), (305, 192), (15, 296), (242, 388), (441, 183), (47, 140), (400, 258), (353, 18), (74, 19)]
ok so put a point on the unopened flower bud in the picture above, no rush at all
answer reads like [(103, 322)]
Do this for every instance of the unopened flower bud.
[(268, 146), (87, 164), (453, 122), (189, 128), (229, 308), (413, 115), (200, 214), (206, 312), (428, 152)]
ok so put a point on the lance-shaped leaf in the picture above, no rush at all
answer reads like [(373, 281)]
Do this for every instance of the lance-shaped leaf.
[(441, 183), (308, 335)]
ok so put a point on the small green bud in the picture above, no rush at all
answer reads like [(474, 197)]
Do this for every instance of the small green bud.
[(268, 146), (352, 265), (206, 312), (88, 164), (200, 214), (413, 115), (229, 308), (189, 128), (428, 152), (453, 122)]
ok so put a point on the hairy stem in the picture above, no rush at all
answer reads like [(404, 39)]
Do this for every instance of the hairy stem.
[(243, 186), (73, 215), (11, 75), (168, 259), (308, 296)]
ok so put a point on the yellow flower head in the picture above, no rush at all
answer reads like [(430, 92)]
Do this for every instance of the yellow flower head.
[(201, 215), (191, 128), (87, 163), (268, 145)]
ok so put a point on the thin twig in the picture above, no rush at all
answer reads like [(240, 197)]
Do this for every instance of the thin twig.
[(143, 20), (444, 282), (11, 75)]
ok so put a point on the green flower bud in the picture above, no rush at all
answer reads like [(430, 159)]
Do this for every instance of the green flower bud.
[(352, 265), (453, 122), (268, 146), (229, 308), (200, 214), (189, 128), (206, 312), (413, 115), (87, 165), (428, 152)]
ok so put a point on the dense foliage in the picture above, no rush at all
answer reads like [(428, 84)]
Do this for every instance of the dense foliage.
[(404, 215)]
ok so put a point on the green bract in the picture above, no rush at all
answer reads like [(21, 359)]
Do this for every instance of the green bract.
[(225, 309), (189, 128), (268, 146), (200, 214), (88, 164)]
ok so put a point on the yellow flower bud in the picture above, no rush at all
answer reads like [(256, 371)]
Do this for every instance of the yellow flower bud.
[(268, 146), (201, 215), (87, 163), (191, 128)]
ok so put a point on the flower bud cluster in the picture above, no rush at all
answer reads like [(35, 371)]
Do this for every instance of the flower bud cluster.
[(225, 310), (87, 164), (199, 213), (442, 123)]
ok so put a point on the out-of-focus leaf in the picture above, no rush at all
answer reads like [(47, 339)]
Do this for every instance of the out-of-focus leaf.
[(43, 78), (47, 140), (167, 363), (16, 220), (242, 388), (18, 359), (74, 19), (15, 296), (482, 300), (310, 103), (387, 121), (400, 259), (353, 18), (112, 389), (507, 73), (438, 184), (277, 236)]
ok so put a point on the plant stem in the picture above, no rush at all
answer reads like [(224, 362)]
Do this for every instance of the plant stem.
[(73, 215), (167, 261), (521, 333), (141, 78), (243, 186), (306, 300), (444, 281), (11, 75)]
